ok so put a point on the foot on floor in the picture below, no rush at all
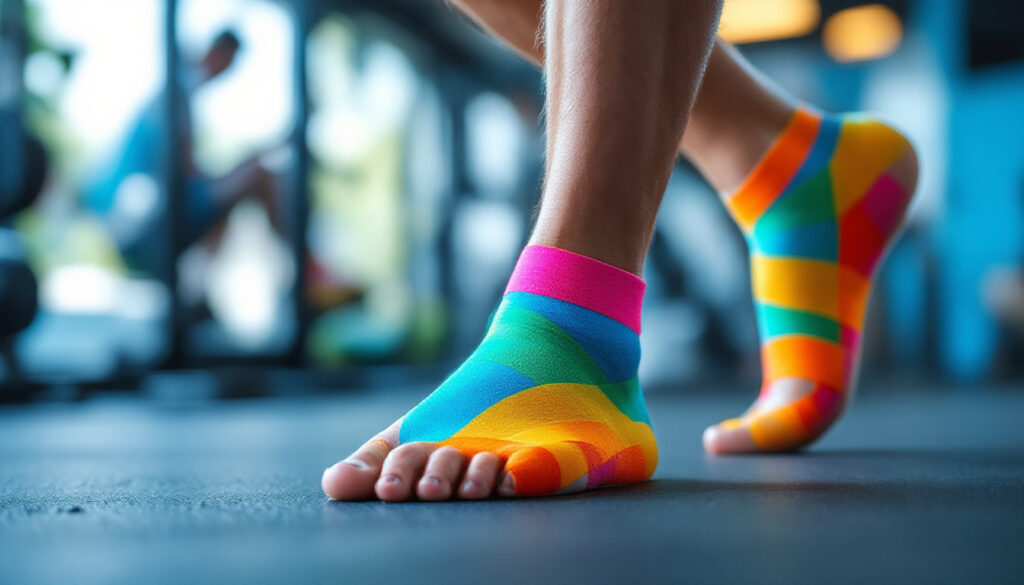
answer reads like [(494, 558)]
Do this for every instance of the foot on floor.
[(548, 403), (819, 211)]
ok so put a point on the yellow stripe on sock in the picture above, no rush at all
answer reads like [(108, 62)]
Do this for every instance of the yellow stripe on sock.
[(796, 283), (864, 150), (544, 414)]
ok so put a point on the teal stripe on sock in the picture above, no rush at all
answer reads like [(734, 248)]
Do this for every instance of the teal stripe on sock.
[(802, 223), (776, 321), (627, 398)]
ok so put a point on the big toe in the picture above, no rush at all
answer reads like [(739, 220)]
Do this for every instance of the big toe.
[(349, 480), (353, 478), (731, 436)]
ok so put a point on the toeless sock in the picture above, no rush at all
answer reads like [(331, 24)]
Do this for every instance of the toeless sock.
[(818, 212), (552, 389)]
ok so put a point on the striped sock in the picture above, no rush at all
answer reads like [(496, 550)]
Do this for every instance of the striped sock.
[(818, 213), (552, 389)]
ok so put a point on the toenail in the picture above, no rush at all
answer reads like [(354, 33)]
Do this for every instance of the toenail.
[(432, 481), (470, 485), (357, 464), (391, 479), (508, 483)]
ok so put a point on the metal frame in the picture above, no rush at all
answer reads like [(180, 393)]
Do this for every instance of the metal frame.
[(174, 220), (465, 63), (12, 33), (299, 207)]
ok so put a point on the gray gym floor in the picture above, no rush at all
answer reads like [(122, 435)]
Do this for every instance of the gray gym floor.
[(912, 487)]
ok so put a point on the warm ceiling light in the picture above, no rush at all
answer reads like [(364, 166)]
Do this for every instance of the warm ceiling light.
[(751, 21), (862, 32)]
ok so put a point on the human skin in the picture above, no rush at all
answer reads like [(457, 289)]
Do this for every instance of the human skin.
[(735, 116), (609, 156)]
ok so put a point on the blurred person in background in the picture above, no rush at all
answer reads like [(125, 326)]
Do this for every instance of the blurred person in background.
[(1003, 292), (1004, 295), (125, 194), (549, 402)]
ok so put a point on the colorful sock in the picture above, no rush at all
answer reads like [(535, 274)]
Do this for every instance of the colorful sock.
[(818, 213), (552, 389)]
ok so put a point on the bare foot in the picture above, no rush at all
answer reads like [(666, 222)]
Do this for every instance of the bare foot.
[(548, 403)]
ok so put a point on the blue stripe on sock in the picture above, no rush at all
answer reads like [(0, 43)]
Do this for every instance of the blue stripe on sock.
[(818, 241), (451, 407), (821, 152)]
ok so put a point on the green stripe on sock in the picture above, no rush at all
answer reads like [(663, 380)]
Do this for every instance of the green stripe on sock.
[(551, 358), (627, 398), (802, 205)]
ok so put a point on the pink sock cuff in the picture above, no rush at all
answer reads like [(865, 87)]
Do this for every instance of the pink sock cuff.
[(582, 281)]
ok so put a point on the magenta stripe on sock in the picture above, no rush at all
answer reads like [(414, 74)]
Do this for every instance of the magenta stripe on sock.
[(579, 280), (884, 203)]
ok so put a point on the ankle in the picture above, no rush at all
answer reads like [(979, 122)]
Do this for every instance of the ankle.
[(727, 154), (606, 216), (621, 257)]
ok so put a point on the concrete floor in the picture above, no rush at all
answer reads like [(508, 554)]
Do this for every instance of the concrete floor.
[(910, 488)]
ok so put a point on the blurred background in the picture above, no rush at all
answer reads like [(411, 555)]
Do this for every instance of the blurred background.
[(225, 198)]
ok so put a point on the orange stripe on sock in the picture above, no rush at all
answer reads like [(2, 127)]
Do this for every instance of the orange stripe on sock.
[(807, 410), (535, 470), (801, 356), (470, 446), (775, 170), (630, 465), (853, 298), (593, 456), (779, 429)]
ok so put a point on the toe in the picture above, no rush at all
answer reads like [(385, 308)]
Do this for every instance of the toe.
[(530, 471), (480, 477), (444, 467), (731, 436), (353, 478), (402, 469), (507, 485)]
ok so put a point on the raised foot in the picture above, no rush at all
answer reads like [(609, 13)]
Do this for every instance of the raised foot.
[(819, 212)]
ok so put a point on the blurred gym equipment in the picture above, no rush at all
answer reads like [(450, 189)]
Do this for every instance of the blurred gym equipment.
[(18, 288), (23, 165), (23, 169)]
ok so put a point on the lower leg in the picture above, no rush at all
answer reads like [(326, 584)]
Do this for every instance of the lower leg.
[(610, 150), (736, 117), (551, 394), (736, 114), (819, 199)]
